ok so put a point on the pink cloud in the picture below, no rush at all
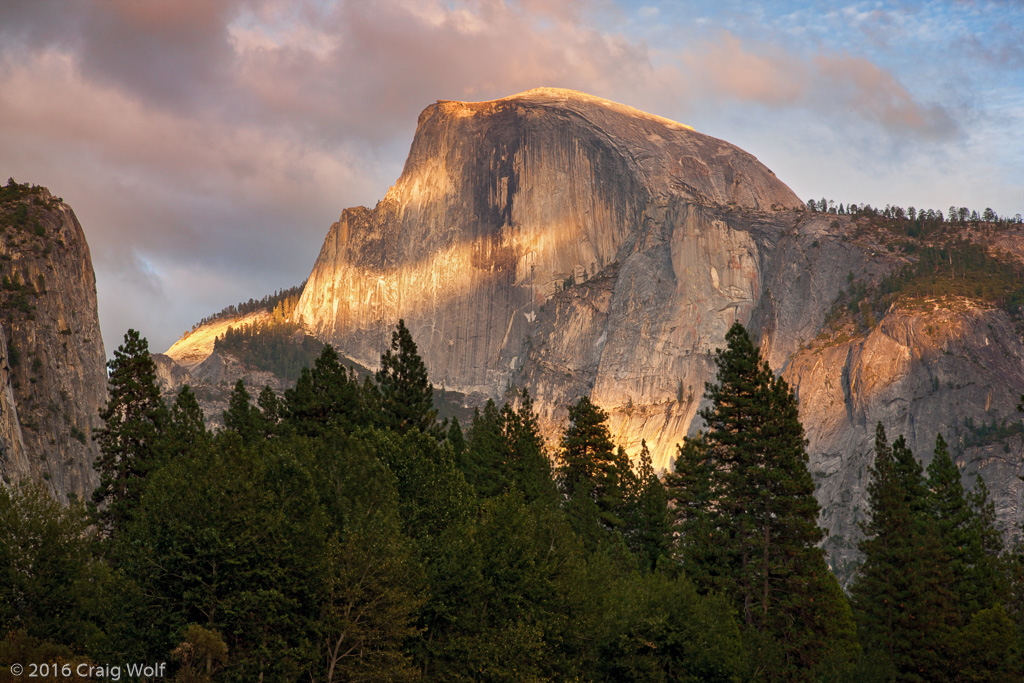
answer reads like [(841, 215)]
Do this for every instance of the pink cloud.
[(838, 86), (188, 135)]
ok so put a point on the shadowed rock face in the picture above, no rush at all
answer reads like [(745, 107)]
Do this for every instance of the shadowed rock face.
[(949, 368), (573, 246), (53, 377)]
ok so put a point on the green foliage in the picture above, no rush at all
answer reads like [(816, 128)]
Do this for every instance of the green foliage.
[(501, 595), (201, 653), (505, 450), (647, 524), (46, 567), (280, 304), (328, 396), (78, 435), (433, 494), (130, 439), (406, 396), (242, 417), (983, 434), (186, 429), (590, 465), (14, 191), (988, 649), (954, 267), (277, 346), (750, 520), (323, 538), (965, 526), (904, 594), (455, 438), (375, 584), (671, 633), (18, 646), (231, 538), (959, 268)]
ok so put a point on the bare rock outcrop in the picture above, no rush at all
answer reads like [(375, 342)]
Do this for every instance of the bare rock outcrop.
[(54, 365), (196, 346), (948, 367), (504, 207)]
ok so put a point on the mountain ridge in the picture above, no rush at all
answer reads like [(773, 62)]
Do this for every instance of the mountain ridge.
[(527, 245)]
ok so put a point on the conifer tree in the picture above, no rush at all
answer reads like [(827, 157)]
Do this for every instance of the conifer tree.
[(759, 510), (952, 516), (647, 525), (130, 438), (589, 462), (406, 396), (270, 410), (186, 428), (901, 595), (485, 460), (327, 395), (987, 582), (690, 490), (531, 468), (241, 416), (506, 450), (456, 438)]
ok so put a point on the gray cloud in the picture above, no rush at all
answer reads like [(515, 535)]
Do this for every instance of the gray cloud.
[(207, 144)]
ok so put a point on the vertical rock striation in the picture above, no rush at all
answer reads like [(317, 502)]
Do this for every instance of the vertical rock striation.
[(53, 372), (503, 211), (574, 246)]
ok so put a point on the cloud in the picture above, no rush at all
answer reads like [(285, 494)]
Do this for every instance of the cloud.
[(838, 85), (369, 68), (206, 145), (161, 193), (876, 95)]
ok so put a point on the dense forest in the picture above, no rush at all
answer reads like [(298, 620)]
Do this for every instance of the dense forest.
[(944, 256), (272, 302), (276, 344), (342, 533)]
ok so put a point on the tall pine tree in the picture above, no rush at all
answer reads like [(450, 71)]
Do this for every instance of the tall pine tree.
[(130, 439), (902, 599), (186, 428), (242, 417), (648, 528), (754, 498), (590, 465), (406, 396), (328, 395)]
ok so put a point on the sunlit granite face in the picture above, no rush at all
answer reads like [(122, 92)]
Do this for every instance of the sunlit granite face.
[(502, 203), (574, 246)]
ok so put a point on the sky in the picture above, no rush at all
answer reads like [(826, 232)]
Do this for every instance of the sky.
[(207, 145)]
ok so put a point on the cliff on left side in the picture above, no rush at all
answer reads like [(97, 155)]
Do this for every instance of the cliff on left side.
[(53, 377)]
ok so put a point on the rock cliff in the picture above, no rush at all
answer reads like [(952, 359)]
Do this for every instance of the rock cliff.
[(504, 204), (53, 373), (574, 246), (948, 367)]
